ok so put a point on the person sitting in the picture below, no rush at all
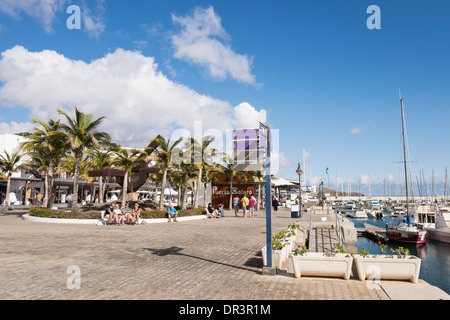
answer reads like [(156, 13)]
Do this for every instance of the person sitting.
[(212, 212), (126, 212), (172, 213), (118, 214), (135, 213), (110, 211), (220, 211)]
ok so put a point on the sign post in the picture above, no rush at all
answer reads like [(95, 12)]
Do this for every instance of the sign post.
[(249, 146), (268, 270)]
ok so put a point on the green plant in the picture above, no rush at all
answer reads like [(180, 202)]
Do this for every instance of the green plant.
[(382, 246), (402, 252), (338, 248), (62, 214), (364, 252), (277, 243), (300, 250)]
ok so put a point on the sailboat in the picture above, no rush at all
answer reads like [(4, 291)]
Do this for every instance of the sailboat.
[(405, 232)]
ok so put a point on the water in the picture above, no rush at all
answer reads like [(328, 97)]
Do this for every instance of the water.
[(435, 255)]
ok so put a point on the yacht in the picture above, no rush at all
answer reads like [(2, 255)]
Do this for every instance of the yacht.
[(441, 230)]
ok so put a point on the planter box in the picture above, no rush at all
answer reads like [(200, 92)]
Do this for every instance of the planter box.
[(278, 257), (319, 264), (388, 267)]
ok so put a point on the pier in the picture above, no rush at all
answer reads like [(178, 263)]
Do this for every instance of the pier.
[(373, 232)]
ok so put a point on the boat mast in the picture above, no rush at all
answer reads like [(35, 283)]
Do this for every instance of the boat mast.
[(404, 156)]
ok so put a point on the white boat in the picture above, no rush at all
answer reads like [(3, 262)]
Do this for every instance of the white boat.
[(357, 214), (350, 205), (375, 205), (370, 214), (425, 216), (375, 214), (398, 211), (441, 231)]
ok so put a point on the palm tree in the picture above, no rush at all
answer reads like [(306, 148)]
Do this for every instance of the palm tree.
[(165, 159), (127, 162), (9, 163), (100, 159), (260, 177), (189, 173), (50, 144), (202, 155), (209, 173), (81, 134), (228, 169)]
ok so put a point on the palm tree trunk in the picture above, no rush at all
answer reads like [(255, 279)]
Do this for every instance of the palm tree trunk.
[(76, 175), (231, 193), (124, 190), (183, 203), (204, 194), (8, 190), (163, 187), (49, 188), (100, 190), (197, 191), (45, 199), (259, 196)]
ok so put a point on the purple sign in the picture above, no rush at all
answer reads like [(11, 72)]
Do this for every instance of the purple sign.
[(245, 145), (249, 134)]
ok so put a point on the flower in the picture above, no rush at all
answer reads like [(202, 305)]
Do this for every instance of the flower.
[(300, 250)]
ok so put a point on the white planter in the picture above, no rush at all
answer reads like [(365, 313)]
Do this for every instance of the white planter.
[(319, 264), (388, 267), (278, 257)]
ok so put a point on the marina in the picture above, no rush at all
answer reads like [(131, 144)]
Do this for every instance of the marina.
[(435, 255)]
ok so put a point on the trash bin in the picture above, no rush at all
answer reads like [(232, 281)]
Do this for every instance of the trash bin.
[(294, 210)]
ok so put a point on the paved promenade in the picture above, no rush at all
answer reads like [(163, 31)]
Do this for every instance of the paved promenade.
[(210, 259)]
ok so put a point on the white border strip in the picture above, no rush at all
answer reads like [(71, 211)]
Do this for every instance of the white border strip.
[(99, 221)]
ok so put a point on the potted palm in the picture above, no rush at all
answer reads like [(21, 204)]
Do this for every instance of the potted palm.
[(335, 264), (398, 266)]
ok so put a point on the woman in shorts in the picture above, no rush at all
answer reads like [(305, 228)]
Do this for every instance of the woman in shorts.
[(236, 205)]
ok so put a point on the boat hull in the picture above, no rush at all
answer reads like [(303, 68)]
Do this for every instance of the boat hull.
[(416, 238), (437, 235)]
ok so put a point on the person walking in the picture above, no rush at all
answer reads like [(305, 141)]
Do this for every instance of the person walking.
[(245, 203), (251, 205), (275, 205), (236, 205)]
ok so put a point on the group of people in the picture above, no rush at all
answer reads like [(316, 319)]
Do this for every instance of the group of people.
[(216, 212), (248, 205), (119, 216)]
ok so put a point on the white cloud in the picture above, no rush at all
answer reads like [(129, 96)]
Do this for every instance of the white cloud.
[(15, 127), (248, 117), (200, 42), (42, 10), (126, 87), (45, 12), (355, 130), (93, 23), (361, 128)]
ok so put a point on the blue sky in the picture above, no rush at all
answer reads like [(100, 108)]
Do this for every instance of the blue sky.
[(312, 69)]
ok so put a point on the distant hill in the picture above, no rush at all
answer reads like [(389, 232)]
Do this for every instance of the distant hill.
[(333, 193)]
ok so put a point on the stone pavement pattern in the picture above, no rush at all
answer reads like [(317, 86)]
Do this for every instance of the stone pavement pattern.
[(211, 259)]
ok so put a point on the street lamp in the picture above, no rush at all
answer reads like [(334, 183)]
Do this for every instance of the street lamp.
[(300, 172)]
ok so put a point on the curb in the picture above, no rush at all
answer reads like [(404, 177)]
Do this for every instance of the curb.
[(100, 222)]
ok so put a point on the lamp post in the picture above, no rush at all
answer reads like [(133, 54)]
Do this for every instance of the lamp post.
[(300, 172)]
